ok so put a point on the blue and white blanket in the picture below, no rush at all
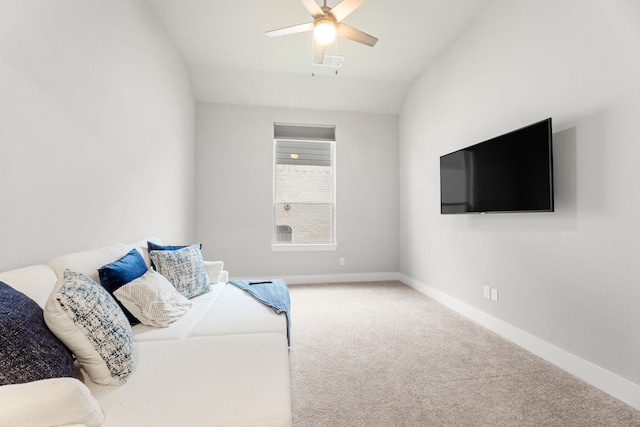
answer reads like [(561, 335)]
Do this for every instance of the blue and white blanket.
[(273, 293)]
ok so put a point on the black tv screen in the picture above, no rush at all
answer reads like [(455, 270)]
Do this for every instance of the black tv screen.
[(510, 173)]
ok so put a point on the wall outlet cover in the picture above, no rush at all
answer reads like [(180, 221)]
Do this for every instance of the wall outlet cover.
[(486, 292)]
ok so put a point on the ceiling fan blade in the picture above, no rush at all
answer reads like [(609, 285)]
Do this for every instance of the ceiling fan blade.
[(318, 53), (313, 8), (347, 32), (301, 28), (344, 8)]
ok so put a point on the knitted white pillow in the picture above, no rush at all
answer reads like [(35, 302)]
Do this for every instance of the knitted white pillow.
[(83, 315), (153, 300)]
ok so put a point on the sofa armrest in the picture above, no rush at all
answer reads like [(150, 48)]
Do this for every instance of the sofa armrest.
[(55, 401), (215, 271)]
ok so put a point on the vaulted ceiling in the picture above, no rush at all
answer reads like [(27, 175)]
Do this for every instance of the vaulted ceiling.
[(230, 59)]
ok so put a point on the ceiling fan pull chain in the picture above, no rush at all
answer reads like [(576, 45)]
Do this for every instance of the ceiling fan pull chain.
[(313, 51)]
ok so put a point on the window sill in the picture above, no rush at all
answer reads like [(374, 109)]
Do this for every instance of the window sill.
[(297, 247)]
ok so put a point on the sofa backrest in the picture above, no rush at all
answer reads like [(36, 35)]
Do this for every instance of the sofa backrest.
[(38, 281), (35, 281), (88, 262)]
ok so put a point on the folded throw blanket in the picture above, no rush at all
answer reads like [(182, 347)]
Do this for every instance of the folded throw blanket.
[(273, 293)]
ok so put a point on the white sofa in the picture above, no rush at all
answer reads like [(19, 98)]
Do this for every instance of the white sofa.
[(224, 363)]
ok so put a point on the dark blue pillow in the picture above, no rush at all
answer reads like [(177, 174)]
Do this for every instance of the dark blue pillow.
[(120, 272), (29, 351), (155, 247)]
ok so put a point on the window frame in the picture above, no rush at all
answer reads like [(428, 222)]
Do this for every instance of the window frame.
[(296, 247)]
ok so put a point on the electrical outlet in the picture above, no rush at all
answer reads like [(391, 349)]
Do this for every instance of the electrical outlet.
[(494, 295), (486, 292), (342, 262)]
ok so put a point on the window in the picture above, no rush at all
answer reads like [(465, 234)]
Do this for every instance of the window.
[(304, 187)]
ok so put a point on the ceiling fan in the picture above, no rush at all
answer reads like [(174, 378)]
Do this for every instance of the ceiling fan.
[(327, 24)]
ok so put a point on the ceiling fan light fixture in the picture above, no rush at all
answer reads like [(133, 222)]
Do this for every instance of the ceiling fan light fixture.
[(324, 31)]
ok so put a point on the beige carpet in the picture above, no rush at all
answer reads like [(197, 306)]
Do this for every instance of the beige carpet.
[(382, 354)]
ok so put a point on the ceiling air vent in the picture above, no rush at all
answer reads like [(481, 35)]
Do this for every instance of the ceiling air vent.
[(332, 61)]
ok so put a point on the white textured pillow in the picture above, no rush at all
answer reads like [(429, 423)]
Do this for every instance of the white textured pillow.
[(153, 300), (83, 315), (214, 269), (184, 268), (55, 401)]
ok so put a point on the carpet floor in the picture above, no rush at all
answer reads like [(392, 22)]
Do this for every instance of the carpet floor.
[(383, 354)]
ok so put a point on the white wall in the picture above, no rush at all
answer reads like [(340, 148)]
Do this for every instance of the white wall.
[(234, 183), (571, 278), (96, 129)]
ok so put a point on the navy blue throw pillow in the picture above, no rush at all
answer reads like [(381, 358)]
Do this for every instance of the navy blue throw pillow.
[(155, 247), (29, 351), (120, 272)]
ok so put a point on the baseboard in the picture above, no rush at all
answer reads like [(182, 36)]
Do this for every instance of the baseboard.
[(333, 278), (612, 384)]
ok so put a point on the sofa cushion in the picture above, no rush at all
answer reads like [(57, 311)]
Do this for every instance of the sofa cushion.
[(182, 327), (29, 351), (237, 380), (50, 402), (87, 319), (115, 274), (236, 312), (153, 300), (184, 268)]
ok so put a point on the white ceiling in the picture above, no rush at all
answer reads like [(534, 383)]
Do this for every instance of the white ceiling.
[(230, 59)]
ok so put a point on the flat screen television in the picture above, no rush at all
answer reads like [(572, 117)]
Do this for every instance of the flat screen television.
[(509, 173)]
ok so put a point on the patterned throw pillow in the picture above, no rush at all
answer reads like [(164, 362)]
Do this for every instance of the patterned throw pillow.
[(156, 247), (28, 349), (153, 300), (184, 268), (113, 275), (83, 315)]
